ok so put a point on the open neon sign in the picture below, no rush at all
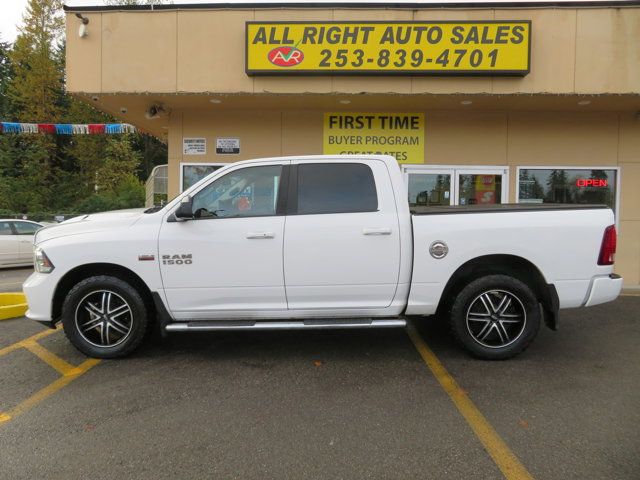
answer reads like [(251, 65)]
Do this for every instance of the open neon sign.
[(591, 182)]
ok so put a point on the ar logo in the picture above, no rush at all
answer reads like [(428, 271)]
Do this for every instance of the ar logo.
[(182, 259), (285, 56)]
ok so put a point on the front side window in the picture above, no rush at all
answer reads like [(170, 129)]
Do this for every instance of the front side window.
[(26, 228), (247, 192), (5, 228), (336, 188), (571, 186)]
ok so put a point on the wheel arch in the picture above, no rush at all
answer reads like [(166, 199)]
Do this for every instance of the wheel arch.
[(497, 264), (77, 274)]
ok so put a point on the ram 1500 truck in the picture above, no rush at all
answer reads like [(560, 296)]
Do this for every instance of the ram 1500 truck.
[(317, 242)]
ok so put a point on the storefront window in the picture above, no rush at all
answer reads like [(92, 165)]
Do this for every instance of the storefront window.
[(429, 189), (574, 186), (480, 189)]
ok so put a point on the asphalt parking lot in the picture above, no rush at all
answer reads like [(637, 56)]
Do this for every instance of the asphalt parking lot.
[(325, 405)]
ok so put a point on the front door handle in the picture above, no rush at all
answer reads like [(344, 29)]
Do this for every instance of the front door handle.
[(376, 231), (260, 235)]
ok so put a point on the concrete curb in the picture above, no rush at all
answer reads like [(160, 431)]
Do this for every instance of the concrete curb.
[(12, 305)]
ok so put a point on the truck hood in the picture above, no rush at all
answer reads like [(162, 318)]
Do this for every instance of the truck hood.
[(94, 222)]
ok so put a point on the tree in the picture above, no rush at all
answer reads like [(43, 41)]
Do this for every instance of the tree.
[(36, 85), (41, 174), (118, 166), (6, 72)]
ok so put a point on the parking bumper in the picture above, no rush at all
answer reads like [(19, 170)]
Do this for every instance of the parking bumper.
[(604, 289)]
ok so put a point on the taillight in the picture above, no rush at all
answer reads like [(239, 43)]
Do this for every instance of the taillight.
[(608, 247)]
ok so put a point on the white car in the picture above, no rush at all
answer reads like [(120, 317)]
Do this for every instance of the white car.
[(16, 242), (319, 242)]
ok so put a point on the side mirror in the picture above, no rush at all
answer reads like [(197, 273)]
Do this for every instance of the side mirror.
[(185, 210)]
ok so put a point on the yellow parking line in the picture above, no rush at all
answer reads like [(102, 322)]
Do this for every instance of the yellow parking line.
[(33, 338), (50, 358), (504, 458), (47, 391)]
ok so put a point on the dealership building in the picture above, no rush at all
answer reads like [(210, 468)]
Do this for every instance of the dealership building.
[(480, 102)]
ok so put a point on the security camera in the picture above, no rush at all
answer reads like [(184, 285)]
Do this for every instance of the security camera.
[(154, 111), (123, 110)]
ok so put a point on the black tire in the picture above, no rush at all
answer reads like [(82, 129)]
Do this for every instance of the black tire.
[(116, 333), (501, 335)]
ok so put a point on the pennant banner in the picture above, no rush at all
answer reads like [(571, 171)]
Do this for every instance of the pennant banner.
[(66, 128)]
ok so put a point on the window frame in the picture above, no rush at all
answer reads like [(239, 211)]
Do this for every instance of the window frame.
[(617, 168), (292, 196), (281, 201), (455, 170)]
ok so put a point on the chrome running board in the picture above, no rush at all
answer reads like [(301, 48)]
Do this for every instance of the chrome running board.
[(310, 324)]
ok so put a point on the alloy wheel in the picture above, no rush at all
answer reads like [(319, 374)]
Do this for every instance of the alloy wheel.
[(496, 318), (103, 318)]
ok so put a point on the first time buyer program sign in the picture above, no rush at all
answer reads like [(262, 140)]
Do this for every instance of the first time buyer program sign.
[(388, 48), (398, 134)]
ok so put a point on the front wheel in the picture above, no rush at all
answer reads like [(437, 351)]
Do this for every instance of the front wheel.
[(104, 317), (495, 317)]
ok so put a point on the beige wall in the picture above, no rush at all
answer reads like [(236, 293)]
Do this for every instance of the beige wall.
[(182, 58), (458, 138), (196, 51)]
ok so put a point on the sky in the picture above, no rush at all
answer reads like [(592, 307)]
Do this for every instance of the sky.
[(11, 11)]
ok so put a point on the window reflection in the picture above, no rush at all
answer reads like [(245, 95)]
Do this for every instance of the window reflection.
[(571, 186)]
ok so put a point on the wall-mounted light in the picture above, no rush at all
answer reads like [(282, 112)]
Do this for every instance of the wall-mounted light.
[(215, 100), (466, 102), (582, 103), (344, 101), (82, 31)]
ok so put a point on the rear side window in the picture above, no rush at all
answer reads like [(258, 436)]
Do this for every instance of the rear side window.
[(5, 228), (336, 188), (25, 228)]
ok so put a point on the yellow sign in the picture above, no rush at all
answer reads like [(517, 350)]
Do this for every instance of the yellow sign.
[(397, 134), (388, 48)]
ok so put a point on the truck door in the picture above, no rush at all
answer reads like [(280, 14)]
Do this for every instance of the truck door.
[(228, 259), (342, 240)]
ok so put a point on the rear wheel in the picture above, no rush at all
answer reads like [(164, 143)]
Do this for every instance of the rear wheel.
[(495, 317), (104, 317)]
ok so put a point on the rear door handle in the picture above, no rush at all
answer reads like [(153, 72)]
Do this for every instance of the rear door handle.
[(259, 235), (376, 231)]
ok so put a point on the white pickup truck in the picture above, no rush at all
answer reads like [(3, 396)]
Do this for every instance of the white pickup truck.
[(319, 242)]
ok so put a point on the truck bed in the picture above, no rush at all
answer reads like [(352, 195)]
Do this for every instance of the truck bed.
[(497, 208)]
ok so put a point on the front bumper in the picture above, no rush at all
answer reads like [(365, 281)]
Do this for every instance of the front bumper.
[(604, 289), (38, 289)]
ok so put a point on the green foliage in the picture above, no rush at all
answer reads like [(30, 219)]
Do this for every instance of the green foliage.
[(129, 193), (6, 72), (41, 175), (36, 84)]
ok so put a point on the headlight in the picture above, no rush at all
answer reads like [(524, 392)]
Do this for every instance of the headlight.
[(42, 262)]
